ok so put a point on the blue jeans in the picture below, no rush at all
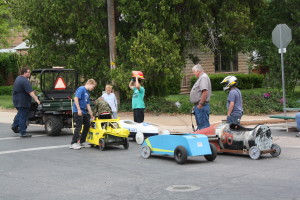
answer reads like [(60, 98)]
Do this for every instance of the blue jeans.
[(21, 119), (234, 119), (114, 115), (297, 117), (202, 116)]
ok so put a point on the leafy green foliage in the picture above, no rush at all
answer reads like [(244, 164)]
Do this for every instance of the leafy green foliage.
[(8, 65), (6, 90), (245, 81), (272, 13)]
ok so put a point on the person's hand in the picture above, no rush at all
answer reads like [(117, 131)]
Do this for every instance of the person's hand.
[(38, 102), (92, 118), (200, 106), (79, 113)]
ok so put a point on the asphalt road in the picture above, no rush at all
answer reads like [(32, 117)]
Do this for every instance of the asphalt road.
[(44, 167)]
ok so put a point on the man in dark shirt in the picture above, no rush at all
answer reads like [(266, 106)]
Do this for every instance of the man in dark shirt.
[(22, 93)]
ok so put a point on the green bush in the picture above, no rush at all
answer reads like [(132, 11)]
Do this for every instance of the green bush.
[(6, 90), (153, 105), (245, 81)]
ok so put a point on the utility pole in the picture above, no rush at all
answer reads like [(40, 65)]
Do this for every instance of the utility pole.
[(111, 33), (112, 40)]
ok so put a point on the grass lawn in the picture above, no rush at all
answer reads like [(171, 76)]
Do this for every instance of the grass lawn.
[(253, 102), (6, 101)]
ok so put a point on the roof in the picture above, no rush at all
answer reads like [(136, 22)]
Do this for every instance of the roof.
[(22, 46)]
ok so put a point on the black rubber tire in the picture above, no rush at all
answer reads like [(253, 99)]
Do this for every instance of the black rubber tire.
[(126, 143), (213, 154), (277, 148), (53, 125), (102, 144), (180, 154)]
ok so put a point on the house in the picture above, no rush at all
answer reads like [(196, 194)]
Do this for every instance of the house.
[(212, 65)]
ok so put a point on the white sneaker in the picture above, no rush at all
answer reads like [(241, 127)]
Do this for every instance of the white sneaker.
[(85, 145), (298, 134), (75, 146)]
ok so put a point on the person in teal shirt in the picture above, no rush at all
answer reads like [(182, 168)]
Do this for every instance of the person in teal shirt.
[(138, 104)]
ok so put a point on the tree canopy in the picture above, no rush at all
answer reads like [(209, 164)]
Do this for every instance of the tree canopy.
[(152, 36)]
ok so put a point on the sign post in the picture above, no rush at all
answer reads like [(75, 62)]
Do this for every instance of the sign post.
[(281, 37)]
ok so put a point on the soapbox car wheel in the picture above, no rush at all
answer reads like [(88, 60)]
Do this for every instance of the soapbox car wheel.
[(146, 152), (213, 154), (126, 143), (277, 149), (101, 144), (139, 137), (180, 154), (254, 152)]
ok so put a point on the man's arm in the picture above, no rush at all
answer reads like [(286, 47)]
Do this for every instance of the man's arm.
[(230, 108), (36, 99), (76, 101), (90, 111), (203, 98), (131, 86), (137, 83)]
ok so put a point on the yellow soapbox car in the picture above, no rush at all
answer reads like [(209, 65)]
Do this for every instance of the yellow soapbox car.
[(107, 132)]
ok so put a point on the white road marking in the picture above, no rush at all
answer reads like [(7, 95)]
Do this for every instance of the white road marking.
[(33, 149), (17, 137)]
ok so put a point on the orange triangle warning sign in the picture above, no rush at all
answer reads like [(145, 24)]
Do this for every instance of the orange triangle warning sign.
[(60, 84)]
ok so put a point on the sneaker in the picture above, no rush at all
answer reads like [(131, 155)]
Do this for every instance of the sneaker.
[(75, 146), (26, 135), (298, 134), (85, 145), (15, 129)]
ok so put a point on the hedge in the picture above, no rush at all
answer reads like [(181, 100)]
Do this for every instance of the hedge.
[(6, 90), (245, 81)]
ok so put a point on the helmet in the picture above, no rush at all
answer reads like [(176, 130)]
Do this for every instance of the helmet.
[(229, 82), (138, 74)]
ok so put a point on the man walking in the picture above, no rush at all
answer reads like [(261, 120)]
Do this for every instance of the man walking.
[(22, 93), (200, 96)]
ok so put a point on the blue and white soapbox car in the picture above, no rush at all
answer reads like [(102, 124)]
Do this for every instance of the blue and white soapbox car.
[(139, 131), (180, 146)]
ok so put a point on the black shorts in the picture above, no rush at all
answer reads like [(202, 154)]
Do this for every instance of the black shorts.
[(138, 115)]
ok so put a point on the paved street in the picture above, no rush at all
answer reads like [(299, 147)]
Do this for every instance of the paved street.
[(44, 167)]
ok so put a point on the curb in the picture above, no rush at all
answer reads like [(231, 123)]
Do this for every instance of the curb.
[(263, 121)]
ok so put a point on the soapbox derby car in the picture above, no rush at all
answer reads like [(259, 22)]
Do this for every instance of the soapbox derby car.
[(180, 146), (105, 132), (139, 131), (234, 138)]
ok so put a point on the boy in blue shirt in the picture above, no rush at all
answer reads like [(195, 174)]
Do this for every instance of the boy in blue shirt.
[(82, 114)]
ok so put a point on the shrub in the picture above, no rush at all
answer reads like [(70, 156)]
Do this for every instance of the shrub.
[(6, 90), (245, 81)]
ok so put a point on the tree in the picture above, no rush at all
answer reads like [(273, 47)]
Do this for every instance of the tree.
[(67, 33), (5, 17), (278, 12)]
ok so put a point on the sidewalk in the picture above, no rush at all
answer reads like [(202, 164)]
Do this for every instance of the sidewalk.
[(173, 122)]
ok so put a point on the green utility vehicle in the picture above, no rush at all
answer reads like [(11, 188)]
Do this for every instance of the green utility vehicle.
[(56, 86)]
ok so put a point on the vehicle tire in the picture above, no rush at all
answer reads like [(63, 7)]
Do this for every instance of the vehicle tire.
[(139, 137), (254, 152), (277, 149), (145, 151), (53, 125), (101, 144), (213, 154), (126, 143), (180, 154)]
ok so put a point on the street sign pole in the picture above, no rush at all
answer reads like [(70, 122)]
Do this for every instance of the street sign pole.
[(283, 82), (281, 37)]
